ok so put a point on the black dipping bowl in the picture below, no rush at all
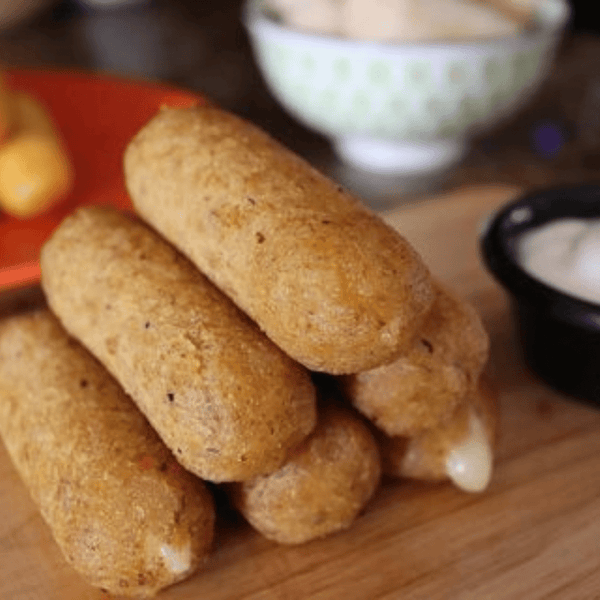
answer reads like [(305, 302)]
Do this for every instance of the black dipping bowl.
[(560, 334)]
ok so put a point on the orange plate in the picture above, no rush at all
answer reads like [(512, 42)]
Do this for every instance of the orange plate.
[(96, 116)]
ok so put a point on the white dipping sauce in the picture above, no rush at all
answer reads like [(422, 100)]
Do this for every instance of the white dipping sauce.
[(565, 254)]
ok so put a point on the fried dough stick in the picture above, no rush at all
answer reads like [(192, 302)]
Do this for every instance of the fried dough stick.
[(424, 387), (328, 281), (221, 395), (122, 511), (322, 488)]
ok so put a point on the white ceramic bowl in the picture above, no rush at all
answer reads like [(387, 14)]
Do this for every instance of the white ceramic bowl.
[(401, 108)]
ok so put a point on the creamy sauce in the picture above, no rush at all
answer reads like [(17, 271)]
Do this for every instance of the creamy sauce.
[(469, 464), (565, 255), (396, 20)]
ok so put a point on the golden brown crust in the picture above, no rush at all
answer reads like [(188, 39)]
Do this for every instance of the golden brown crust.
[(329, 282), (424, 387), (321, 489), (112, 493), (424, 456), (224, 398)]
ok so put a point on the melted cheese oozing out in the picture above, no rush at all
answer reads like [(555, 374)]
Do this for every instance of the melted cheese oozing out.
[(469, 464), (177, 560)]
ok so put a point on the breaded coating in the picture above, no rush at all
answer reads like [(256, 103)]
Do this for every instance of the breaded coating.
[(123, 512), (426, 456), (424, 387), (326, 279), (321, 489), (220, 394)]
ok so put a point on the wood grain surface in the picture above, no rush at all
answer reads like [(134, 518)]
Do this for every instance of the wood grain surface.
[(534, 534)]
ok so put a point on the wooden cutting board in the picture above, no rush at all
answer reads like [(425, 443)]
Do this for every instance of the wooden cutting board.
[(535, 533)]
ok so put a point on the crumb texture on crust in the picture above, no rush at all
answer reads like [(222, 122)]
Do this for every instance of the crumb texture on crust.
[(111, 492), (423, 388), (221, 395), (327, 280), (322, 487)]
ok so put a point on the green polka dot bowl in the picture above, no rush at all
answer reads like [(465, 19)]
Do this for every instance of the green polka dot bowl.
[(401, 108)]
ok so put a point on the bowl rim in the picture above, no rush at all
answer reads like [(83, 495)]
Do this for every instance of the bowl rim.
[(256, 19), (497, 250)]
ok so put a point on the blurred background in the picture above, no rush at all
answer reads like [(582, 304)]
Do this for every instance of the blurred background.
[(202, 45)]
